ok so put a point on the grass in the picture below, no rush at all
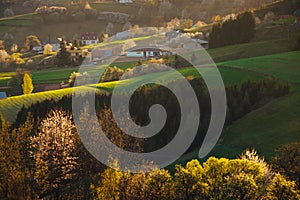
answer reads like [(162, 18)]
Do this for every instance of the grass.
[(10, 107), (284, 66), (264, 129), (13, 24), (252, 49), (54, 76)]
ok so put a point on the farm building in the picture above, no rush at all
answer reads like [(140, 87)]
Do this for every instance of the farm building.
[(3, 95), (145, 52), (124, 1), (89, 38)]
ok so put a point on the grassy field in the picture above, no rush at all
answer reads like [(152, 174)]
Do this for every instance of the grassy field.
[(265, 129), (220, 54), (284, 66), (9, 107), (252, 49)]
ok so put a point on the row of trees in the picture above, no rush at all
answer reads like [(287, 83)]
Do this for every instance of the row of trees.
[(235, 30), (241, 100), (244, 178)]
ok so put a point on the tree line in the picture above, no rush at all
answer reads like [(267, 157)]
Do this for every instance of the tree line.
[(235, 30), (241, 100)]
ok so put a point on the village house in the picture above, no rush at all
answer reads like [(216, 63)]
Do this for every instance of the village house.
[(89, 38), (124, 1), (145, 52), (38, 49)]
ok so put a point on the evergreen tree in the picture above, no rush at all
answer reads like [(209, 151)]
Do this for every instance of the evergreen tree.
[(233, 31), (63, 56)]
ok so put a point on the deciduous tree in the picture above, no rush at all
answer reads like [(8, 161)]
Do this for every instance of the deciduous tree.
[(27, 85), (54, 152), (31, 41)]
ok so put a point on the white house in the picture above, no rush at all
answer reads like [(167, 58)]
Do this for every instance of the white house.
[(125, 1), (89, 38), (144, 52)]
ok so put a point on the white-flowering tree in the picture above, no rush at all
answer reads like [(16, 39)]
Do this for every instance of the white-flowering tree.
[(54, 152)]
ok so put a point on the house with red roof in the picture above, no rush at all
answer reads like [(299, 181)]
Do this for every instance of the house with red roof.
[(89, 38)]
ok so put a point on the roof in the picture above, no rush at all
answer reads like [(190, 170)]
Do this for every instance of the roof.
[(3, 95), (297, 13), (89, 36), (145, 48)]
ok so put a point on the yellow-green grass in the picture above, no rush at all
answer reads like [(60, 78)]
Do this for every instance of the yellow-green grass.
[(285, 66), (56, 75), (264, 129), (10, 107)]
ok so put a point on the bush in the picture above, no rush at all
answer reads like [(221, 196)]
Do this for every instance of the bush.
[(112, 74)]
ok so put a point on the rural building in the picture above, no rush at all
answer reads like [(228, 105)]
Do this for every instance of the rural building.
[(203, 43), (124, 1), (145, 52), (89, 38), (38, 49), (3, 95), (55, 47)]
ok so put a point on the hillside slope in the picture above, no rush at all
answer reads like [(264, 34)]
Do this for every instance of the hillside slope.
[(265, 129), (9, 107), (284, 66)]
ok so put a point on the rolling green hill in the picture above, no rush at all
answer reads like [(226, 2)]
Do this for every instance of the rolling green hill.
[(9, 107), (264, 129), (284, 66)]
